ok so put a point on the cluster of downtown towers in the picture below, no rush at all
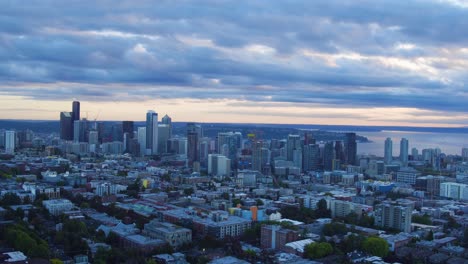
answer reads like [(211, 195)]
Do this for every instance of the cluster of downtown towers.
[(299, 151), (72, 128)]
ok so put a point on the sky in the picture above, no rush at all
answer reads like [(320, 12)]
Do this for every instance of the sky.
[(337, 62)]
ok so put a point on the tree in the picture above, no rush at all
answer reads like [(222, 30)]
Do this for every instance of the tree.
[(334, 228), (10, 199), (430, 236), (424, 219), (376, 246), (188, 191), (322, 211), (318, 250), (259, 202), (352, 242)]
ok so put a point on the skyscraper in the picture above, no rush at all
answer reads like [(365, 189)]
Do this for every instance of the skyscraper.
[(163, 137), (75, 111), (404, 151), (142, 140), (415, 153), (350, 148), (388, 151), (151, 132), (293, 143), (66, 126), (127, 127), (194, 133), (80, 130), (328, 156), (339, 152), (10, 142), (167, 120), (465, 154), (311, 159)]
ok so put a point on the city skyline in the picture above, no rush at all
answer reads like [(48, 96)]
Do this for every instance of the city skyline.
[(327, 62)]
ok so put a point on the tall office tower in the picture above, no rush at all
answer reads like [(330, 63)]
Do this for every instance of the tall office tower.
[(257, 156), (293, 143), (80, 132), (100, 130), (127, 127), (308, 138), (388, 151), (93, 137), (127, 134), (328, 156), (205, 150), (339, 151), (311, 157), (75, 111), (151, 133), (415, 153), (231, 142), (10, 142), (393, 215), (350, 148), (194, 133), (117, 132), (142, 140), (66, 126), (404, 151), (164, 133), (93, 140), (167, 120)]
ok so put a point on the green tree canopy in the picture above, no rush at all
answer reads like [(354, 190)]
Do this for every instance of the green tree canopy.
[(376, 246), (318, 250)]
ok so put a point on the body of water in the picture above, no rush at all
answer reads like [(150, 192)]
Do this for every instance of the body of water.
[(449, 143)]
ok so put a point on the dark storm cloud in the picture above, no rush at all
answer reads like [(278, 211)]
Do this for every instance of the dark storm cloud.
[(344, 53)]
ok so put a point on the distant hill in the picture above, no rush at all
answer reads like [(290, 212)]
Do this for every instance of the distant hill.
[(211, 129)]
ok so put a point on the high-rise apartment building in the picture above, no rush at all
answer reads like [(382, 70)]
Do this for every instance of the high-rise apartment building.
[(394, 215)]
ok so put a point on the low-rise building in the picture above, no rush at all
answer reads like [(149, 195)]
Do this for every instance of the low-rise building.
[(57, 206), (174, 235)]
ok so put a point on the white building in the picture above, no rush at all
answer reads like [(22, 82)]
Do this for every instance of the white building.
[(10, 141), (57, 206), (219, 165), (457, 191)]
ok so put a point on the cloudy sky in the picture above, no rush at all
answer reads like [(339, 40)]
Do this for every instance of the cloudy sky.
[(314, 62)]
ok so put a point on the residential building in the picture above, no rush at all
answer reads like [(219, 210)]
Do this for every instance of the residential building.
[(393, 215)]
